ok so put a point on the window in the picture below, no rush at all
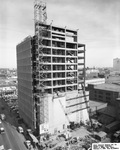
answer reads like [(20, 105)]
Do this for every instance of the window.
[(107, 98), (100, 92), (100, 96), (108, 94)]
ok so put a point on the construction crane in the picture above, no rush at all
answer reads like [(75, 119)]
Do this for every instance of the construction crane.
[(71, 124), (83, 90), (40, 15), (86, 102)]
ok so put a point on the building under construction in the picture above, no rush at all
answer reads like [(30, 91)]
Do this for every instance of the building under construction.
[(51, 76)]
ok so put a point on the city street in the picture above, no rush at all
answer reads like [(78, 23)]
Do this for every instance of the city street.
[(11, 138)]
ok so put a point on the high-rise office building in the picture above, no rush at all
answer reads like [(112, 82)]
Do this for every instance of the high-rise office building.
[(51, 76)]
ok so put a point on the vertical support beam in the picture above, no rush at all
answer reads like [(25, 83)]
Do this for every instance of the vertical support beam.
[(65, 63), (77, 61), (51, 56), (84, 65)]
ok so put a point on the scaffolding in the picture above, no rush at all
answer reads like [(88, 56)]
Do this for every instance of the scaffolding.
[(40, 14), (41, 103), (59, 63), (50, 69)]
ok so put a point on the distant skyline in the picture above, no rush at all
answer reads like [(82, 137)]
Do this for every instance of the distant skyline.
[(98, 22)]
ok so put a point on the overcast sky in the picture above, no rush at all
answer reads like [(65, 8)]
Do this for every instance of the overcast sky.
[(98, 22)]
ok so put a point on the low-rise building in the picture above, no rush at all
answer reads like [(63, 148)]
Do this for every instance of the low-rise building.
[(104, 93), (94, 81), (109, 93), (113, 78), (92, 73)]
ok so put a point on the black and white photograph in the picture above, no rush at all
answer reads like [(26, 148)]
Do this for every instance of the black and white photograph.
[(59, 74)]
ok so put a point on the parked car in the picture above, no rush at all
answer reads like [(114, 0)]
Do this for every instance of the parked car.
[(20, 130), (29, 131), (2, 116), (2, 147), (28, 144), (2, 130)]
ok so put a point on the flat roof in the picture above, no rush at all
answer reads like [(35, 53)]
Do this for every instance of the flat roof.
[(109, 110), (113, 124), (102, 133), (95, 79), (105, 119), (60, 27), (96, 105), (108, 87)]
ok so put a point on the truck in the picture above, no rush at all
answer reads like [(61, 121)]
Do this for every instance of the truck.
[(101, 136)]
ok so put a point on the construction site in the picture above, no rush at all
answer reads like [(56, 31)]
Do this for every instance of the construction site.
[(59, 59), (51, 78)]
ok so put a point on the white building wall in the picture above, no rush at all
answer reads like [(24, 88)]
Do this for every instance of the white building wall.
[(57, 118), (95, 81), (78, 115), (116, 64), (58, 107)]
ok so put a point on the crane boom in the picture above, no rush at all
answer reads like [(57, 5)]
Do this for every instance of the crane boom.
[(64, 111)]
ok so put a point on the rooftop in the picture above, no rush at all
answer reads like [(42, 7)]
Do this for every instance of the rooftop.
[(108, 87), (109, 110), (96, 105)]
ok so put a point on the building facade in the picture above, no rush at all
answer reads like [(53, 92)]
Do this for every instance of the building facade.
[(104, 93), (116, 64), (25, 80), (94, 81)]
